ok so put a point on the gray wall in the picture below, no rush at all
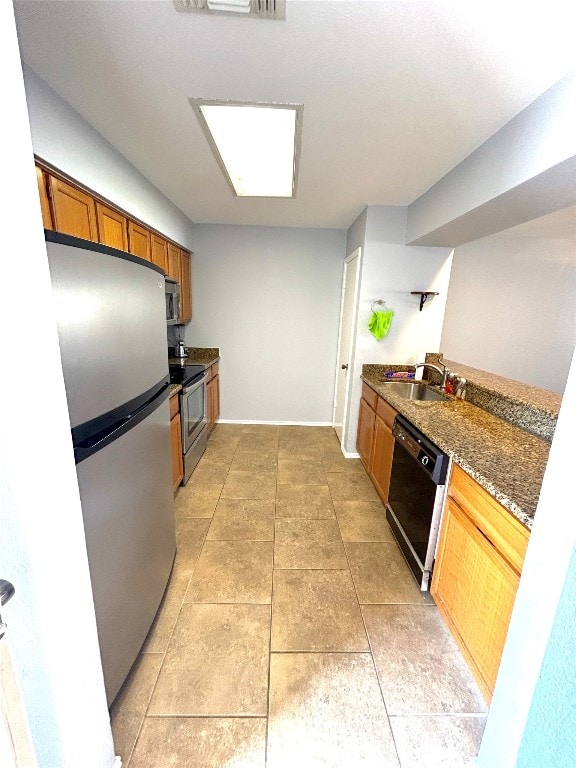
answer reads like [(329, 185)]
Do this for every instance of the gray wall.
[(62, 137), (269, 297), (390, 271), (511, 305)]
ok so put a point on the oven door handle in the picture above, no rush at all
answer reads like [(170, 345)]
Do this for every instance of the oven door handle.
[(195, 385)]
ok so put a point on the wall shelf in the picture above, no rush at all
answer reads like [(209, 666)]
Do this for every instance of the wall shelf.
[(423, 296)]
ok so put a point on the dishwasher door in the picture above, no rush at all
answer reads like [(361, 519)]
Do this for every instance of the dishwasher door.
[(415, 498)]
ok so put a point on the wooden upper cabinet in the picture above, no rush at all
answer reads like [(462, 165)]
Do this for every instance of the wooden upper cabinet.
[(185, 287), (173, 262), (112, 227), (138, 240), (44, 200), (74, 211), (159, 251)]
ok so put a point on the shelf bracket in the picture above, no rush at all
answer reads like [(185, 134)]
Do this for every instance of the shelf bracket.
[(423, 296)]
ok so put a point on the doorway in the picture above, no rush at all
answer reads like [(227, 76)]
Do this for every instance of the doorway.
[(346, 343)]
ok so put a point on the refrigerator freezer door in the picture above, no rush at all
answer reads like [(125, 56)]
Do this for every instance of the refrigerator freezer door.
[(127, 505), (111, 325)]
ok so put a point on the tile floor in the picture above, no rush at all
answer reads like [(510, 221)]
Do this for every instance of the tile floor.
[(292, 632)]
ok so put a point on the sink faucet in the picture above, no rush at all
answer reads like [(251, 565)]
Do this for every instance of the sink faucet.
[(444, 373)]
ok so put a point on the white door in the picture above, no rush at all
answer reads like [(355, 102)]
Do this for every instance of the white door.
[(348, 313)]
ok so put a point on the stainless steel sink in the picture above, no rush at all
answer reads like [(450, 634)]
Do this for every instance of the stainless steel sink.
[(415, 390)]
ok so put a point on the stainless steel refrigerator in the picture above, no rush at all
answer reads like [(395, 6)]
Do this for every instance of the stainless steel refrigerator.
[(112, 329)]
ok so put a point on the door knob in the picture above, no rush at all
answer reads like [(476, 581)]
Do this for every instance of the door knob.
[(345, 367), (6, 592)]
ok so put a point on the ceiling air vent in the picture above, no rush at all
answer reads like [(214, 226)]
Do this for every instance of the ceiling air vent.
[(263, 9)]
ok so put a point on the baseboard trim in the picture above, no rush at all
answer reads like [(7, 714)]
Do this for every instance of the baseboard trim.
[(351, 455), (118, 762), (277, 423)]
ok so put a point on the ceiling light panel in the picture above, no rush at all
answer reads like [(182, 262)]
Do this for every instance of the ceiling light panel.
[(264, 9), (256, 145)]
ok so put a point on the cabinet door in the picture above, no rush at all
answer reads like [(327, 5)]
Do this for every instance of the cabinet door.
[(216, 399), (159, 251), (210, 404), (74, 211), (44, 200), (138, 240), (365, 434), (475, 589), (112, 227), (185, 287), (173, 270), (381, 463), (177, 461)]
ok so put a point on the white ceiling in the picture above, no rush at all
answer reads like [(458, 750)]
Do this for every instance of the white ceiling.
[(395, 92)]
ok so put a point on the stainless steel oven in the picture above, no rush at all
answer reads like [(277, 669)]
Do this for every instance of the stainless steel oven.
[(193, 416), (416, 497)]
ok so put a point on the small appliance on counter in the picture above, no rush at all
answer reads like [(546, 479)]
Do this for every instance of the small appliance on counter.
[(180, 350)]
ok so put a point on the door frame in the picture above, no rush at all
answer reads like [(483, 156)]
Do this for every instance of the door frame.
[(356, 254)]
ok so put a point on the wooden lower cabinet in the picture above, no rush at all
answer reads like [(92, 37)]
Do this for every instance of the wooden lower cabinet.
[(213, 396), (382, 452), (375, 441), (176, 442), (365, 434), (476, 574)]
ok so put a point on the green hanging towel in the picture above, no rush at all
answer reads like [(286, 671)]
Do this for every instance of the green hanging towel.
[(379, 323)]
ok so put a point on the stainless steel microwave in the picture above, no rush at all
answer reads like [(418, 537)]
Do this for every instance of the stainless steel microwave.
[(172, 301)]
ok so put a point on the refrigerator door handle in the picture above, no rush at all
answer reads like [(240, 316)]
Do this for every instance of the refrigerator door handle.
[(94, 443)]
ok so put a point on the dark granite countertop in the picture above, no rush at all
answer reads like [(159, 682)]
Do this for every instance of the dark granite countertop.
[(506, 460), (174, 389)]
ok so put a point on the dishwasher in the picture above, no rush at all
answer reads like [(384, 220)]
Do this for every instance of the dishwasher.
[(416, 497)]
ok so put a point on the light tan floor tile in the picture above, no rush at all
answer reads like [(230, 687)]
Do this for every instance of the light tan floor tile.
[(210, 471), (445, 741), (201, 742), (268, 430), (129, 709), (233, 572), (190, 535), (299, 452), (333, 461), (351, 486), (381, 575), (300, 473), (227, 431), (326, 711), (223, 450), (165, 621), (216, 663), (420, 668), (301, 543), (363, 521), (255, 461), (309, 501), (249, 485), (243, 519), (197, 500), (316, 611), (251, 442)]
